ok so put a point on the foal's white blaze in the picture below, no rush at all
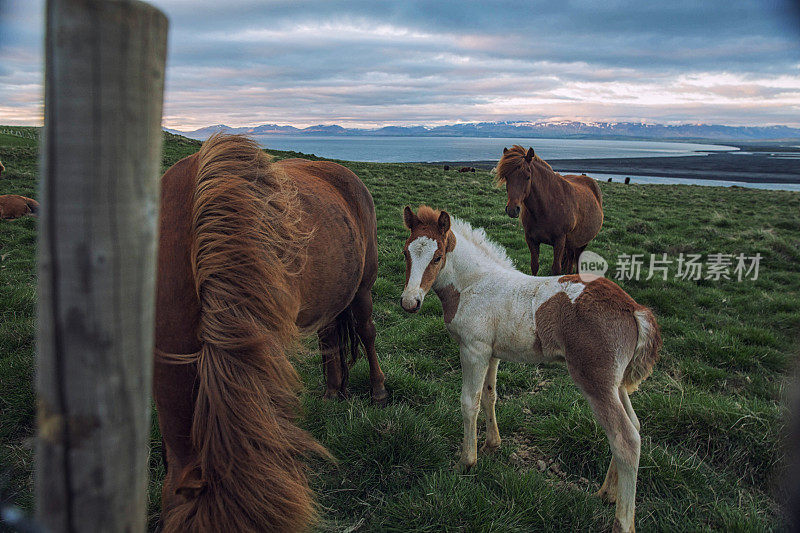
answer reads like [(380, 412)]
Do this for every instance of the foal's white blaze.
[(420, 252)]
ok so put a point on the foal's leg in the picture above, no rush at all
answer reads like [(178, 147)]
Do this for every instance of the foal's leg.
[(533, 246), (362, 312), (474, 364), (626, 403), (331, 362), (608, 491), (488, 399), (558, 255), (625, 443)]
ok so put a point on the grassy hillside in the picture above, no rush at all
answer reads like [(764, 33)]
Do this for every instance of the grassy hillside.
[(712, 413)]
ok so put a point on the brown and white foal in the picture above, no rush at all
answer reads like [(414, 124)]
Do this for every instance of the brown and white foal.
[(608, 341)]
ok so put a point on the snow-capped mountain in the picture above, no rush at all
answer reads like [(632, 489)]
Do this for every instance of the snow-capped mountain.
[(526, 129)]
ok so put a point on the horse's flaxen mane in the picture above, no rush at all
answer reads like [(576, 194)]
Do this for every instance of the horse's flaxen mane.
[(514, 161), (246, 244), (478, 237)]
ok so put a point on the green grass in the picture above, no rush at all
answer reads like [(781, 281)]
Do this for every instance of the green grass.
[(712, 414)]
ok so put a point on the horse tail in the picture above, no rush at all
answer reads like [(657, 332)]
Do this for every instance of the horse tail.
[(646, 354), (33, 206), (596, 190), (246, 245), (348, 342)]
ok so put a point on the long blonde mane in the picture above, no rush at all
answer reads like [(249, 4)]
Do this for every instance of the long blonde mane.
[(514, 161), (247, 242)]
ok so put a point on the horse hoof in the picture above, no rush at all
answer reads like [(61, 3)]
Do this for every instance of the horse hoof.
[(490, 448), (381, 402), (331, 394), (463, 468), (606, 496), (617, 528), (380, 398)]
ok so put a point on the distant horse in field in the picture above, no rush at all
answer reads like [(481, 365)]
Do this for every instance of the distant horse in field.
[(464, 169), (15, 206), (608, 341), (251, 254), (565, 212)]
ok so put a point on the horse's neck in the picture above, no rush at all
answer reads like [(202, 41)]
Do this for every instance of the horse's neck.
[(465, 265), (546, 186)]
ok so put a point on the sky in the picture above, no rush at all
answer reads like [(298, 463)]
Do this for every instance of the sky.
[(372, 63)]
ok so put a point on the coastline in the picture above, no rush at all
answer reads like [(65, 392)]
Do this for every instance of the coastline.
[(775, 165), (745, 161)]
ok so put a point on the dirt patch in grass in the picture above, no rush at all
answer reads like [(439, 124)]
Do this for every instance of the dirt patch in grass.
[(527, 456)]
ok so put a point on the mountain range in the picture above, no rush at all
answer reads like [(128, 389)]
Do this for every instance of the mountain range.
[(526, 129)]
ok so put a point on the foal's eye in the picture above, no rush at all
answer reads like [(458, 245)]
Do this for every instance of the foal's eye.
[(437, 259)]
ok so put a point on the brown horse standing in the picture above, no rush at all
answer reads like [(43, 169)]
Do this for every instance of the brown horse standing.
[(15, 206), (251, 253), (565, 212)]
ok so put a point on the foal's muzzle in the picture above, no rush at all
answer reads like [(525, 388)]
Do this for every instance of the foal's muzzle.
[(513, 212), (411, 307)]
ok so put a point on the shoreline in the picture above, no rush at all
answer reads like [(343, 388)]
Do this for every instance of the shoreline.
[(747, 166)]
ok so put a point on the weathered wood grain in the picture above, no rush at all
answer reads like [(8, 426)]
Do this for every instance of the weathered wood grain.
[(104, 85)]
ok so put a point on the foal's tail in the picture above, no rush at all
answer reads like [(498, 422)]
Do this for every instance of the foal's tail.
[(246, 243), (646, 353)]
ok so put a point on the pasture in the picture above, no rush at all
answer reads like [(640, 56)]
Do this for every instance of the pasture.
[(712, 413)]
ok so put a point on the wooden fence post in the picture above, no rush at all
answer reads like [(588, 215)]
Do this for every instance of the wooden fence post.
[(104, 82)]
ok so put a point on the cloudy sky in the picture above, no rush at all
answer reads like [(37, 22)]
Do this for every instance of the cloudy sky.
[(369, 63)]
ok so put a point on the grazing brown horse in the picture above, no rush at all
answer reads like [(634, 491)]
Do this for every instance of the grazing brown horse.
[(15, 206), (565, 212), (252, 253)]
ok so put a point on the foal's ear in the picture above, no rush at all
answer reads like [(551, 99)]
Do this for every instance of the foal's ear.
[(529, 155), (450, 243), (505, 150), (409, 218), (444, 222)]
